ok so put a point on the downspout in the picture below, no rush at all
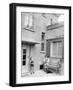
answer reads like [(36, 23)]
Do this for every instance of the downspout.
[(29, 50)]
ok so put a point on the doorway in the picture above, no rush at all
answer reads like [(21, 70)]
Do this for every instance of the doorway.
[(25, 59)]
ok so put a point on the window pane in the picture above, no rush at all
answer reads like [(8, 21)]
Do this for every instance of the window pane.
[(57, 49), (30, 21), (42, 46), (24, 62), (26, 21), (54, 49), (24, 51), (48, 48), (43, 36), (60, 49), (24, 56)]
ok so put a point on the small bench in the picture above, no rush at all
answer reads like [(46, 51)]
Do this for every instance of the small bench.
[(53, 65)]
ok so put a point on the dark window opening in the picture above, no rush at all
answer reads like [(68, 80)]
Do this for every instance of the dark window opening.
[(43, 36), (42, 46), (24, 51), (24, 62), (24, 57)]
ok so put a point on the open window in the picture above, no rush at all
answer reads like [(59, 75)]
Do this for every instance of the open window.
[(27, 21)]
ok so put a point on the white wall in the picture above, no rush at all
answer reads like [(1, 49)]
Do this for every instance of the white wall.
[(55, 33), (38, 27), (4, 45)]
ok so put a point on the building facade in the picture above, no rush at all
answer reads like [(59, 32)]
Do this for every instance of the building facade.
[(42, 36)]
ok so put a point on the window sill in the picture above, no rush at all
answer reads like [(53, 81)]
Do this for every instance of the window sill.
[(57, 57), (29, 29), (42, 52)]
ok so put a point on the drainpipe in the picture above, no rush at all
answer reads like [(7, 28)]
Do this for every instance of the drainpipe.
[(30, 50)]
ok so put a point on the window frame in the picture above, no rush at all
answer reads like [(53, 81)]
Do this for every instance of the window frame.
[(24, 60), (51, 51), (28, 27), (43, 36), (43, 41)]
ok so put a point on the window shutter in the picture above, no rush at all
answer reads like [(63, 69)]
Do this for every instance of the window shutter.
[(48, 48), (63, 49)]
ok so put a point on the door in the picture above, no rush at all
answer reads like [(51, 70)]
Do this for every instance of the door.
[(24, 60)]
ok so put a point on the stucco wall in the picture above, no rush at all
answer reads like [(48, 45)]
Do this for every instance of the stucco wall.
[(55, 33), (49, 17), (39, 27)]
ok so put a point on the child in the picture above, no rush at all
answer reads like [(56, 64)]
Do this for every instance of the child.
[(31, 65)]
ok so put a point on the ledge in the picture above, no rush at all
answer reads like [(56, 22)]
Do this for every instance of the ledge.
[(54, 26), (28, 29)]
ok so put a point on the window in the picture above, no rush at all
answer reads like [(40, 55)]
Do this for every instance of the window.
[(60, 49), (24, 57), (42, 46), (56, 49), (42, 41), (43, 36), (28, 21)]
